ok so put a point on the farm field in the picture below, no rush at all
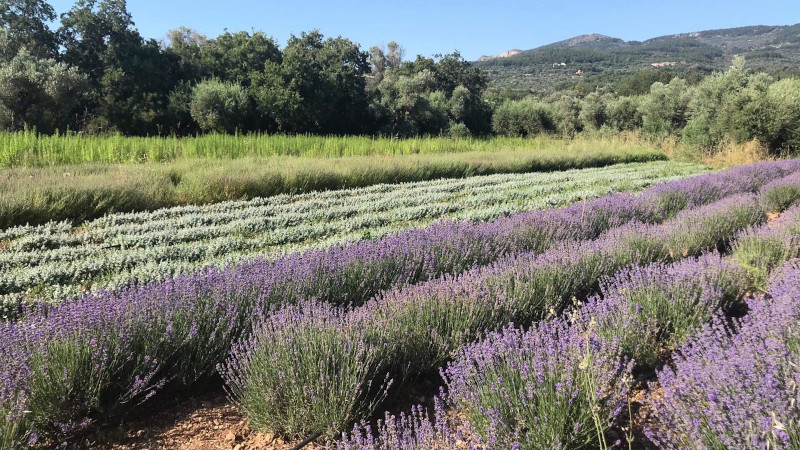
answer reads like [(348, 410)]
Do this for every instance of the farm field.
[(30, 194), (547, 326), (57, 260), (266, 238)]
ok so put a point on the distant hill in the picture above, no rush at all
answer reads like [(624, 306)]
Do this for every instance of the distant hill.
[(596, 58), (513, 52)]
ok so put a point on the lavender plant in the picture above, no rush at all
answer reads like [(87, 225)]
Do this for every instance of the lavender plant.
[(553, 386), (66, 366), (780, 194), (655, 307), (736, 387), (308, 368), (714, 230), (424, 325), (760, 250), (417, 430)]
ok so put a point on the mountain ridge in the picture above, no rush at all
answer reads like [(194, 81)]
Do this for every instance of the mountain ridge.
[(554, 65)]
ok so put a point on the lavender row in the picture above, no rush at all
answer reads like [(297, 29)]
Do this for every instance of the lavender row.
[(354, 273), (650, 310), (69, 363), (564, 382), (762, 249), (408, 331), (737, 386)]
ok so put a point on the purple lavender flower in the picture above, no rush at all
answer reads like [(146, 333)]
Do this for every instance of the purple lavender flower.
[(736, 387), (655, 307), (552, 386)]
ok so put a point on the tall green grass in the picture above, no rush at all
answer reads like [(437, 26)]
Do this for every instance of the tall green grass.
[(30, 149), (86, 191)]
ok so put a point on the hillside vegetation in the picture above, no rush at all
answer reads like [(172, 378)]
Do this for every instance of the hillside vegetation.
[(603, 59)]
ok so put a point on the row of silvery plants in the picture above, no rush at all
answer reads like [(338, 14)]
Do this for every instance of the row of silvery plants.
[(54, 262)]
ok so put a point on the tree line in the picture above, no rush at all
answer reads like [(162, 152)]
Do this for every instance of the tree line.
[(95, 73), (737, 105)]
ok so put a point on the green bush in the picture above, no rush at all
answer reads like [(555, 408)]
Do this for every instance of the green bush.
[(524, 118), (221, 107), (784, 102), (623, 113), (664, 108)]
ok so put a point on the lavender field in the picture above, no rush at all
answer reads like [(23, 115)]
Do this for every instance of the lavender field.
[(634, 306)]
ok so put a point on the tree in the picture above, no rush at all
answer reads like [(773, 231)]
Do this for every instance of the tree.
[(179, 109), (730, 106), (664, 109), (219, 106), (381, 60), (26, 22), (320, 84), (187, 46), (277, 99), (524, 118), (593, 113), (568, 110), (130, 79), (234, 57), (623, 113), (39, 93), (784, 100), (444, 92)]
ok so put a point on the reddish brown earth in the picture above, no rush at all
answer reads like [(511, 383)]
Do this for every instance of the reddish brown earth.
[(212, 422), (205, 423)]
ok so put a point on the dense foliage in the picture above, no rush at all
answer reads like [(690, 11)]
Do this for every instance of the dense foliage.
[(735, 106), (97, 74)]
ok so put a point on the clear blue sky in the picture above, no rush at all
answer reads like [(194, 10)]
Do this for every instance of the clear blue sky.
[(440, 26)]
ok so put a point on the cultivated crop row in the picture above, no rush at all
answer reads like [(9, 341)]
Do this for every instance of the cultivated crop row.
[(32, 149), (97, 357), (54, 261), (566, 382), (408, 332)]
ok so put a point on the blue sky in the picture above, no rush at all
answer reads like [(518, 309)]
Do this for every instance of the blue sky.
[(440, 26)]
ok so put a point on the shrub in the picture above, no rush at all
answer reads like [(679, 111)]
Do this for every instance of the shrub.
[(624, 114), (523, 118), (781, 193), (736, 387), (664, 108), (552, 386), (308, 368), (219, 106), (647, 309), (761, 250), (784, 100)]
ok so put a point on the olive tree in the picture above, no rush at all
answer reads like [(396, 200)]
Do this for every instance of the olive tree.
[(219, 106)]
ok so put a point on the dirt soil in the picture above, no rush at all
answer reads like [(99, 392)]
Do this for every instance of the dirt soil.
[(204, 423)]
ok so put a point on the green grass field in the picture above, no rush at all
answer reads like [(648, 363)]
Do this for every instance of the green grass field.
[(84, 191), (30, 149)]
